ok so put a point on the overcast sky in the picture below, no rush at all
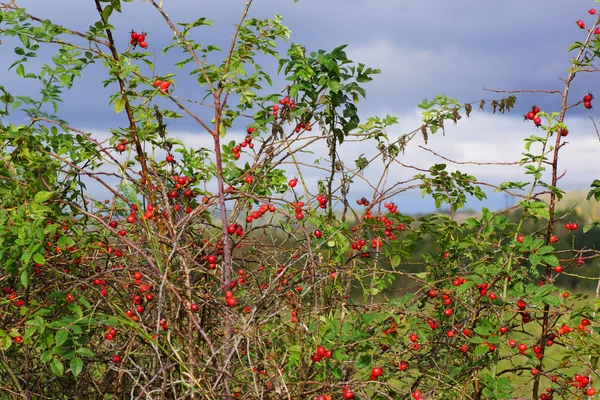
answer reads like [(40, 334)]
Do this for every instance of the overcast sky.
[(423, 48)]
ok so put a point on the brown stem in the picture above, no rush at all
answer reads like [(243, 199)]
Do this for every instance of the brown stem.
[(128, 109), (546, 320)]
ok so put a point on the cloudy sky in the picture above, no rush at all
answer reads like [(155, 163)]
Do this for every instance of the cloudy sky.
[(423, 48)]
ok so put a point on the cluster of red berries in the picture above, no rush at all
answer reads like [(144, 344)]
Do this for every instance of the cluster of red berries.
[(138, 39), (525, 317), (260, 212), (460, 280), (363, 202), (414, 338), (235, 229), (285, 102), (347, 393), (322, 199), (163, 86), (391, 207), (564, 329), (432, 324), (321, 353), (229, 299), (587, 100), (298, 207), (582, 327), (121, 147), (391, 329), (302, 125), (246, 143), (112, 332), (376, 373), (12, 295), (580, 381), (163, 324), (532, 116), (571, 226), (483, 290)]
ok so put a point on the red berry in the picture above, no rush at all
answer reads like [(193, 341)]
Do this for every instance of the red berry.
[(530, 115), (318, 233), (590, 391), (558, 269), (116, 359), (194, 307), (537, 121), (588, 97), (321, 351), (448, 312), (581, 24), (293, 182), (587, 104), (520, 238), (141, 37), (376, 372), (169, 158), (574, 226), (348, 394), (134, 36), (18, 339), (592, 11), (275, 108), (231, 302), (143, 45), (248, 179), (164, 86)]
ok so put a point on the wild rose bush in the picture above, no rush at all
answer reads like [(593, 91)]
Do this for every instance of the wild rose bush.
[(136, 266)]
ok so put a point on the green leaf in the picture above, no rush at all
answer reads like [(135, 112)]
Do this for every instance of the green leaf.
[(76, 366), (119, 104), (363, 361), (20, 70), (41, 197), (84, 352), (57, 367), (588, 227), (61, 336), (534, 259), (107, 12), (25, 278), (551, 260), (39, 259)]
